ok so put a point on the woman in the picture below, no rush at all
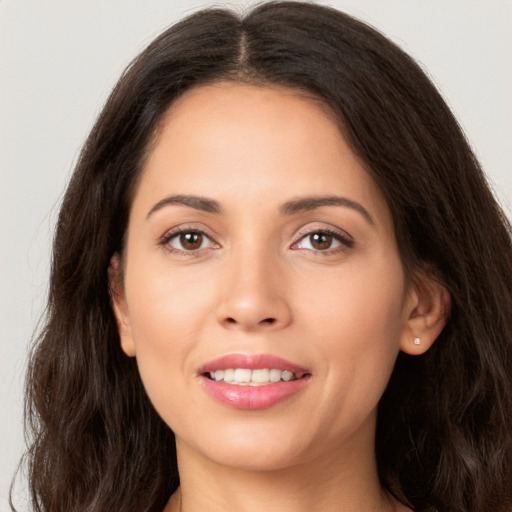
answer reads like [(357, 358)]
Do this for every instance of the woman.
[(279, 280)]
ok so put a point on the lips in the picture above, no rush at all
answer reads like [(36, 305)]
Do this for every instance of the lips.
[(255, 381)]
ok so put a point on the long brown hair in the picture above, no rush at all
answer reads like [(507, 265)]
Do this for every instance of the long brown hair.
[(444, 435)]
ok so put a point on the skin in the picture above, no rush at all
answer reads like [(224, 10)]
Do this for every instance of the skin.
[(256, 284)]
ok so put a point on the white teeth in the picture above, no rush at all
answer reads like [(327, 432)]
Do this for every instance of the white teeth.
[(275, 375), (247, 377), (229, 375), (242, 375), (260, 375)]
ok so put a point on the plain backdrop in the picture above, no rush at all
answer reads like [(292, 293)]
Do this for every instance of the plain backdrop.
[(60, 59)]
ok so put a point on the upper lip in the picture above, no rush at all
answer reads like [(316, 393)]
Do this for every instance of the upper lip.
[(252, 362)]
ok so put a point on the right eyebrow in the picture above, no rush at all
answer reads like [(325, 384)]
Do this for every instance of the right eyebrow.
[(311, 203), (197, 202)]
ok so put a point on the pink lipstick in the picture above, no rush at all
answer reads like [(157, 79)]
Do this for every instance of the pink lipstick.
[(256, 381)]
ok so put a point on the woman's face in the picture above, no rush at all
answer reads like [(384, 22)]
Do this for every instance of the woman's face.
[(257, 243)]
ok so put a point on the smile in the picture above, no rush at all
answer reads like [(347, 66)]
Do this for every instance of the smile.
[(256, 381), (248, 377)]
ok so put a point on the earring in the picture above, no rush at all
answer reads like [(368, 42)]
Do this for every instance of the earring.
[(417, 341)]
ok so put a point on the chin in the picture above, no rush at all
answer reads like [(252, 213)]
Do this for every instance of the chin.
[(254, 458), (251, 449)]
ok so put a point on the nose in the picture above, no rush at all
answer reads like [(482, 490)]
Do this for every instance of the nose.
[(254, 294)]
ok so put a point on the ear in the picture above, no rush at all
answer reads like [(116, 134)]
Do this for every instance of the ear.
[(117, 297), (427, 310)]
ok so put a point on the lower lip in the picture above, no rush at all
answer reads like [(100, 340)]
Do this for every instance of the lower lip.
[(253, 397)]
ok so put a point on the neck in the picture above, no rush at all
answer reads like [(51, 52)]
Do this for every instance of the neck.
[(339, 480)]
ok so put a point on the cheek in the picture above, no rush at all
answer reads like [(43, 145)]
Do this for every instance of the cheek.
[(164, 304), (167, 312), (357, 325), (360, 305)]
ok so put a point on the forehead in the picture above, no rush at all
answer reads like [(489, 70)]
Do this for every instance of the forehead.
[(262, 143), (226, 118)]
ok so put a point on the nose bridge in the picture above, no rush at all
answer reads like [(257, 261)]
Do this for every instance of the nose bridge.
[(254, 291)]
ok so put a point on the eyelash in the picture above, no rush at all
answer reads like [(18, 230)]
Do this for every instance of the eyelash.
[(166, 239), (345, 240)]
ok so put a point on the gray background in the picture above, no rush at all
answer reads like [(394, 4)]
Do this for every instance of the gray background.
[(59, 60)]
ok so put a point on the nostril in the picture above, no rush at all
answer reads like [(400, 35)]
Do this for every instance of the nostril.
[(245, 322)]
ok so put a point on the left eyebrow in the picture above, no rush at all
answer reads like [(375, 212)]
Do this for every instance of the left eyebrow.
[(198, 203), (311, 203)]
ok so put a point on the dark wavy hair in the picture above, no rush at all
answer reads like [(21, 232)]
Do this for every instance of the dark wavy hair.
[(444, 433)]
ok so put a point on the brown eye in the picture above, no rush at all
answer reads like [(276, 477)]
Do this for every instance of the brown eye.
[(191, 241), (188, 241), (321, 241)]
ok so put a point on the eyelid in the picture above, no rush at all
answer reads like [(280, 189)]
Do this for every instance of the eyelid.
[(343, 237), (346, 240), (164, 240)]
